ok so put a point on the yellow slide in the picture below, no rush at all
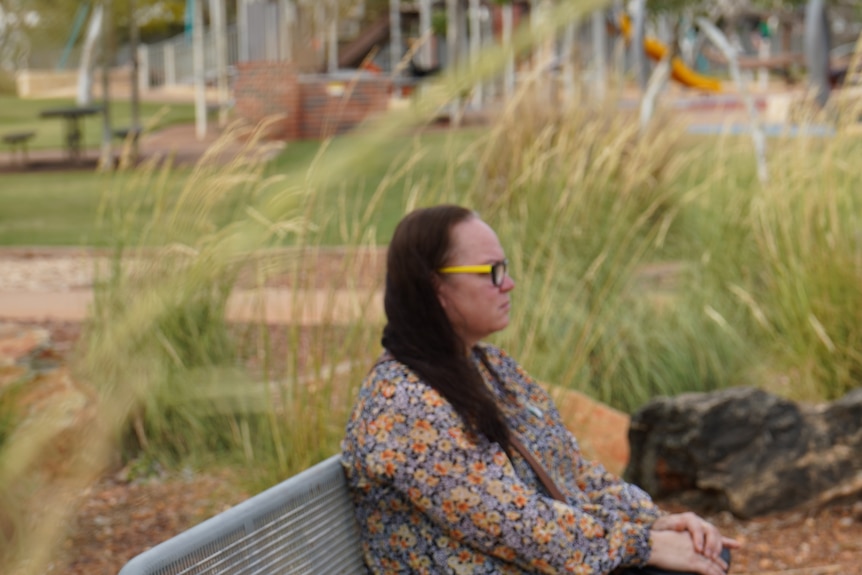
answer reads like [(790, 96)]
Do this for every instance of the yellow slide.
[(679, 71)]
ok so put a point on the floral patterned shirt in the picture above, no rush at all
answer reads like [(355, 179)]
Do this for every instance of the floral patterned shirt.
[(432, 497)]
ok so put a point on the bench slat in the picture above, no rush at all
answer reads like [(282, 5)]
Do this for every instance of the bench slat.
[(304, 525)]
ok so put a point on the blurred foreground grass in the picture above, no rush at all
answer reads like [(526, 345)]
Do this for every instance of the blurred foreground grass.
[(646, 264)]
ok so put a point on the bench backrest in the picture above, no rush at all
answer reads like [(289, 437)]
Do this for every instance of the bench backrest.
[(303, 525)]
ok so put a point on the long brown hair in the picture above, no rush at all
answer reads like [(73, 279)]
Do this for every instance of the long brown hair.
[(418, 332)]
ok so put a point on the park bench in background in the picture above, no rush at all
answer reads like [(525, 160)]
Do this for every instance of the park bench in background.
[(304, 525), (17, 141), (127, 133)]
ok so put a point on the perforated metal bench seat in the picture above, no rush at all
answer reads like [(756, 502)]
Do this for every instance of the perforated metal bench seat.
[(304, 525)]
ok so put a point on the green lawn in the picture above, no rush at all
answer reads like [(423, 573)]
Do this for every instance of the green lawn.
[(20, 115), (50, 209), (61, 208), (372, 177)]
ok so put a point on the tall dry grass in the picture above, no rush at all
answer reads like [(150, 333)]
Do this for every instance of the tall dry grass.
[(587, 207), (646, 264)]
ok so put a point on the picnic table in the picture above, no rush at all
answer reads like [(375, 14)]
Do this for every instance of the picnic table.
[(18, 141), (73, 128)]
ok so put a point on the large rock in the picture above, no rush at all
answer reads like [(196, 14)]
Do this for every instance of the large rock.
[(599, 429), (46, 421), (747, 451), (19, 347)]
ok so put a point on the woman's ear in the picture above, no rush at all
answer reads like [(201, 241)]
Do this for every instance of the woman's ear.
[(441, 288)]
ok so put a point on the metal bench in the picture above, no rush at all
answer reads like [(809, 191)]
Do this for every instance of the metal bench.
[(18, 141), (127, 133), (304, 525)]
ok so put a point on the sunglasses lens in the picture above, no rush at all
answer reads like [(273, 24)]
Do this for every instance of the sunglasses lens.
[(498, 273)]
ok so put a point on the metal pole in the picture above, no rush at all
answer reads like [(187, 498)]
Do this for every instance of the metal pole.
[(332, 51), (287, 29), (242, 29), (217, 12), (144, 67), (816, 42), (424, 27), (639, 61), (568, 56), (475, 48), (509, 71), (452, 54), (170, 58), (600, 55), (106, 158), (396, 47), (198, 61), (452, 33), (134, 40), (718, 38)]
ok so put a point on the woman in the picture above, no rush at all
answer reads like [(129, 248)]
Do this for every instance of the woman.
[(458, 462)]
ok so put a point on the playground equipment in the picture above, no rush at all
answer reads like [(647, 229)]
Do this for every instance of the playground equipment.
[(822, 78), (679, 71), (817, 49), (88, 61), (816, 56)]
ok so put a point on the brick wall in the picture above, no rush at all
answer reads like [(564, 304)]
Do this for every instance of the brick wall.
[(333, 106), (264, 90), (312, 106)]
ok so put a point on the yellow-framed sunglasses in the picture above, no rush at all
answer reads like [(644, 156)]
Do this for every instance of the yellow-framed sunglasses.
[(497, 270)]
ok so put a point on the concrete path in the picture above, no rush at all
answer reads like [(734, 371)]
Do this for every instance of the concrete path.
[(270, 305)]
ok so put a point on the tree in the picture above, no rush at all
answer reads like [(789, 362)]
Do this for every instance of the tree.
[(48, 23)]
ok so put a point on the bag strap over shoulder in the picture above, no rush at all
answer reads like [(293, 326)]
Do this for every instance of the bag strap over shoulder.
[(519, 446), (543, 476)]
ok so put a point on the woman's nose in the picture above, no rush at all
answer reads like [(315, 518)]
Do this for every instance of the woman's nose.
[(508, 284)]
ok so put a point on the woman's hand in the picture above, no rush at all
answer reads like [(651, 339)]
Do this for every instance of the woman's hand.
[(705, 537), (674, 551)]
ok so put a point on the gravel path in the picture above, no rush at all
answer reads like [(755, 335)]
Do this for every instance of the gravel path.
[(43, 284), (47, 271)]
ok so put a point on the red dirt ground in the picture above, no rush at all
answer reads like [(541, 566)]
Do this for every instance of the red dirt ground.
[(119, 518)]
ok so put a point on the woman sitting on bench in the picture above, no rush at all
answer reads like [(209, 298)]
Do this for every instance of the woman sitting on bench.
[(458, 461)]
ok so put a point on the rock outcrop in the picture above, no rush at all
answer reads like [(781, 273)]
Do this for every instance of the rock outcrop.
[(747, 451), (45, 416), (600, 429)]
